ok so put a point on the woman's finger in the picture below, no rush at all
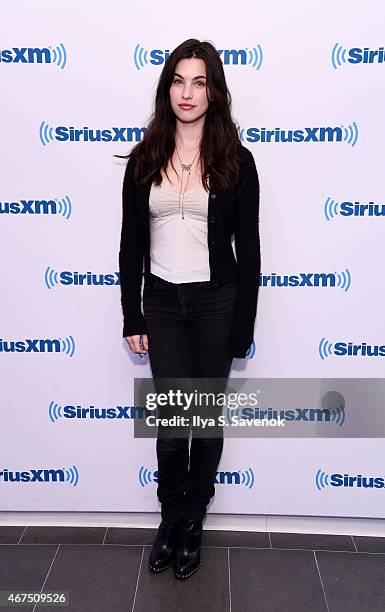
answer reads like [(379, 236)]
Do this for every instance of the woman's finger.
[(135, 344)]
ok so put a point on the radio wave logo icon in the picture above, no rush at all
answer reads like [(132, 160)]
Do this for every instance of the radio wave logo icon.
[(65, 207), (338, 56), (247, 478), (251, 351), (72, 475), (255, 57), (51, 277), (145, 476), (54, 411), (325, 348), (331, 208), (240, 131), (350, 134), (338, 415), (231, 412), (140, 57), (321, 480), (68, 346), (344, 279), (46, 133), (59, 55)]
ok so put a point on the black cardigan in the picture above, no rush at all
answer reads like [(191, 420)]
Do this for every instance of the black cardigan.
[(234, 211)]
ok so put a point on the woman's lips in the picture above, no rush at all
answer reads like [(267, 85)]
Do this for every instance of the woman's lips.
[(186, 106)]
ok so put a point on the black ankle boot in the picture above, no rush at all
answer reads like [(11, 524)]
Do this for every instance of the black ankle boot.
[(187, 555), (163, 549)]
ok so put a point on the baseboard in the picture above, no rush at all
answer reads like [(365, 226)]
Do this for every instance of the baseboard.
[(226, 522)]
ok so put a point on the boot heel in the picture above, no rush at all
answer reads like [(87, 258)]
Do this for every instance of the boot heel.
[(187, 554)]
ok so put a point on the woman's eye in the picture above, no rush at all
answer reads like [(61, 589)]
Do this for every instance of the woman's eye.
[(177, 81)]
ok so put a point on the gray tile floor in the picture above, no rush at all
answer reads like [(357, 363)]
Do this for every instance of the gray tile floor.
[(105, 570)]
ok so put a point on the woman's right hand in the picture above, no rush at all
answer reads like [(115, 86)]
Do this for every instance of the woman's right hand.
[(138, 343)]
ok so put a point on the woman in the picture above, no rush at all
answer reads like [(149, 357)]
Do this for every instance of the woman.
[(189, 185)]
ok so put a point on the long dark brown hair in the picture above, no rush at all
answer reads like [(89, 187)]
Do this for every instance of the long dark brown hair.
[(219, 143)]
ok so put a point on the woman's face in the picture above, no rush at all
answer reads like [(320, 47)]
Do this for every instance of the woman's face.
[(189, 88)]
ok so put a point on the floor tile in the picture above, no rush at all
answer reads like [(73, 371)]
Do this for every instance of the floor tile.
[(98, 578), (369, 544), (63, 535), (121, 535), (353, 582), (10, 534), (24, 567), (253, 539), (312, 541), (275, 580)]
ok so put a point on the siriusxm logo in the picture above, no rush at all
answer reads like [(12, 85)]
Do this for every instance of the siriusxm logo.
[(356, 55), (238, 477), (349, 349), (352, 209), (62, 207), (52, 278), (35, 55), (67, 475), (79, 412), (70, 134), (42, 345), (308, 279), (341, 133), (322, 480), (305, 415), (236, 57)]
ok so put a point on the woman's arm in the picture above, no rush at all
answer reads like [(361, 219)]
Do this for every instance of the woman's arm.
[(131, 257), (247, 248)]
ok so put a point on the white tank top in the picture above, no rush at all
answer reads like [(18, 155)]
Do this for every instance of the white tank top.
[(178, 247)]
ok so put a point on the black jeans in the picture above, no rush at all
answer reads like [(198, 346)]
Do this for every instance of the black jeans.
[(188, 331)]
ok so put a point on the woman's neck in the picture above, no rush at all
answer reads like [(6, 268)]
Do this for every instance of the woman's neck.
[(188, 135)]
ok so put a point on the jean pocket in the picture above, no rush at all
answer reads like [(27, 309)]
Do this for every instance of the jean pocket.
[(224, 285), (204, 284), (150, 285)]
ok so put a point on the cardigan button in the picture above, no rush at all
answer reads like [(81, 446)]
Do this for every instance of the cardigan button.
[(212, 241), (213, 196), (212, 220)]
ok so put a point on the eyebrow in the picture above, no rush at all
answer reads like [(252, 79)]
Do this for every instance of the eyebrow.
[(202, 76)]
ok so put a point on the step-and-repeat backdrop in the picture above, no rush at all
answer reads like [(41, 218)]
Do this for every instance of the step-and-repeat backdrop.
[(77, 86)]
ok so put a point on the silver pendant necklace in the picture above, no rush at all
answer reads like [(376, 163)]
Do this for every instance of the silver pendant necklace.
[(185, 168)]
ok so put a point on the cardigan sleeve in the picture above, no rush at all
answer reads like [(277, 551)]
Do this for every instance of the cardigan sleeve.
[(247, 249), (131, 255)]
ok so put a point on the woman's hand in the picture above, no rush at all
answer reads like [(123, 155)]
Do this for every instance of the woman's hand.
[(138, 343)]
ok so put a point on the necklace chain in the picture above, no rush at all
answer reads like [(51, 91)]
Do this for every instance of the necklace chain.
[(187, 168)]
